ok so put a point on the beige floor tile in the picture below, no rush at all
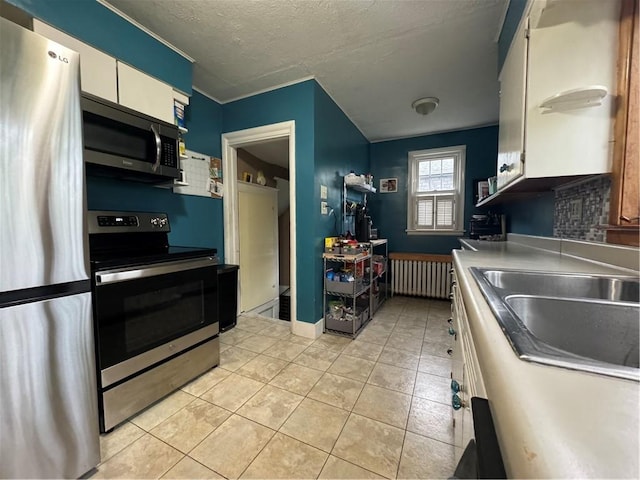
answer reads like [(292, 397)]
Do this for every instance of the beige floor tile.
[(285, 457), (270, 407), (384, 323), (371, 334), (119, 438), (334, 343), (257, 343), (234, 336), (340, 469), (412, 321), (297, 379), (384, 405), (224, 346), (205, 381), (409, 343), (438, 334), (234, 357), (437, 349), (162, 410), (352, 367), (335, 390), (433, 388), (318, 358), (232, 392), (189, 469), (191, 425), (399, 358), (252, 324), (285, 350), (431, 419), (299, 340), (277, 330), (361, 349), (316, 423), (232, 446), (147, 457), (435, 365), (393, 378), (370, 444), (426, 458), (262, 368)]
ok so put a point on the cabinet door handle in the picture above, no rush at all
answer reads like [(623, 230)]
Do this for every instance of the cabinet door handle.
[(449, 351), (456, 402), (451, 331), (450, 321), (451, 296), (505, 167), (455, 386)]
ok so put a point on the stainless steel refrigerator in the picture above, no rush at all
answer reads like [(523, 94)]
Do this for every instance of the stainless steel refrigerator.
[(48, 396)]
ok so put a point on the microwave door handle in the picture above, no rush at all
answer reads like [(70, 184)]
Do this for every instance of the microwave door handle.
[(156, 134)]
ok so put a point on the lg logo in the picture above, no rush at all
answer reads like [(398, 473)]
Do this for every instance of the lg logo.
[(53, 54)]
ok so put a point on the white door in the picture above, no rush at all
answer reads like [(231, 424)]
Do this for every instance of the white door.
[(258, 232)]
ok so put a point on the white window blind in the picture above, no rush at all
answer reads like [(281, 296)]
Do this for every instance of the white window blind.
[(436, 193)]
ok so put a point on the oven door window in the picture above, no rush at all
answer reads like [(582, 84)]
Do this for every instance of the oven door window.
[(137, 315)]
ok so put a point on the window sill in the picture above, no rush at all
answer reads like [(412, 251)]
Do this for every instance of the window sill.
[(456, 233)]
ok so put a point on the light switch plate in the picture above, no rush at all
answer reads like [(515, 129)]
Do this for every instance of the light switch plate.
[(323, 192), (324, 210)]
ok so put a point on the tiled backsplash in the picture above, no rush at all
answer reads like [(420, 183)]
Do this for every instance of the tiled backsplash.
[(581, 208)]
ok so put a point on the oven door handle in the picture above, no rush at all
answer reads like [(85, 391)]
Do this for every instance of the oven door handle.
[(123, 275)]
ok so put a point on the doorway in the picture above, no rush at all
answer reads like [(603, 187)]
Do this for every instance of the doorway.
[(244, 140)]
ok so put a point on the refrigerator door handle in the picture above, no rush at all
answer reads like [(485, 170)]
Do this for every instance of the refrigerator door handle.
[(123, 275), (156, 135)]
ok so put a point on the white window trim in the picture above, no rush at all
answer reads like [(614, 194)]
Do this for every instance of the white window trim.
[(460, 150)]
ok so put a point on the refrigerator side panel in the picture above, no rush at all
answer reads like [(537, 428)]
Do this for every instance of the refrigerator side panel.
[(49, 417), (43, 238)]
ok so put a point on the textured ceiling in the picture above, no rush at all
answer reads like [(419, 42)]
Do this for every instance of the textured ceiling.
[(373, 57)]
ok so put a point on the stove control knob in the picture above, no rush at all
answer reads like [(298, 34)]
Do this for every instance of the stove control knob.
[(155, 221), (162, 221)]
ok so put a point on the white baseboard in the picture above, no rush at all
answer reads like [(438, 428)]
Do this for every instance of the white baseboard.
[(306, 329)]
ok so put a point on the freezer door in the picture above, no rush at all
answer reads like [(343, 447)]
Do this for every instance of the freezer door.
[(49, 414), (42, 239)]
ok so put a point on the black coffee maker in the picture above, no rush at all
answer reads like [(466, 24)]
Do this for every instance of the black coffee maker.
[(362, 224)]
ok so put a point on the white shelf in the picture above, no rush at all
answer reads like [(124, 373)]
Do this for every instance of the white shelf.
[(184, 157), (180, 184), (183, 130), (362, 188), (583, 97)]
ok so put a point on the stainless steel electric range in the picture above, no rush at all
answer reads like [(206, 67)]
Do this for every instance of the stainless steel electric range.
[(155, 310)]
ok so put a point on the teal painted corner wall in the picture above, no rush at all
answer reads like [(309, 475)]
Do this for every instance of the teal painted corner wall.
[(98, 26), (339, 148), (390, 160), (511, 21), (295, 102)]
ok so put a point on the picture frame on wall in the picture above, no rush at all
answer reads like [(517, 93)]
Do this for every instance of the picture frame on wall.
[(388, 185), (247, 177)]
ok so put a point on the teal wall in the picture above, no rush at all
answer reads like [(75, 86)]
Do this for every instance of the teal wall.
[(339, 148), (511, 20), (295, 102), (100, 27), (390, 160)]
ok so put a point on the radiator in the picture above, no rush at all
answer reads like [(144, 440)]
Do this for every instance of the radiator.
[(420, 275)]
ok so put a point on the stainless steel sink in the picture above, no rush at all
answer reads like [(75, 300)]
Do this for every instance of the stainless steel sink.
[(582, 322), (563, 285)]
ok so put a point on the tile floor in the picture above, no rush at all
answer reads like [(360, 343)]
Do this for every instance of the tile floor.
[(283, 406)]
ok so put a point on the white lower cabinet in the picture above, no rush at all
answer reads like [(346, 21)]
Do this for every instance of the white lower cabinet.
[(466, 378)]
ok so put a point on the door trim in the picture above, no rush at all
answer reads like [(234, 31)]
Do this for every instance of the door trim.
[(230, 143)]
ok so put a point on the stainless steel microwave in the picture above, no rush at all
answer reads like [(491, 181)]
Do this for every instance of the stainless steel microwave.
[(123, 143)]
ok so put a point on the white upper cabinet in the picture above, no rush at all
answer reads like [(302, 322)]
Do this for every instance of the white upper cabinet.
[(513, 79), (145, 94), (97, 69), (558, 92)]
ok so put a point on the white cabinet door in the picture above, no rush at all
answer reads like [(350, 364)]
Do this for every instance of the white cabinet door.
[(145, 94), (513, 79), (97, 69), (565, 56)]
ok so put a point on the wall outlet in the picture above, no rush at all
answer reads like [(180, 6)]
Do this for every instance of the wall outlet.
[(324, 209), (323, 192), (575, 209)]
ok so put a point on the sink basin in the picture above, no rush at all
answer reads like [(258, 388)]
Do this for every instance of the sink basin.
[(566, 285), (581, 322)]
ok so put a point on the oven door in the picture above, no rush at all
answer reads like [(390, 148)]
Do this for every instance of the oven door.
[(147, 314)]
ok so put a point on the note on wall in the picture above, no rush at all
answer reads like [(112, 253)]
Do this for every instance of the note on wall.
[(202, 173)]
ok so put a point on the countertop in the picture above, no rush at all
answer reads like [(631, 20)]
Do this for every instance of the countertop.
[(550, 421)]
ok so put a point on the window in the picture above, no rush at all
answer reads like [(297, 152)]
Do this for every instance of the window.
[(436, 191)]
